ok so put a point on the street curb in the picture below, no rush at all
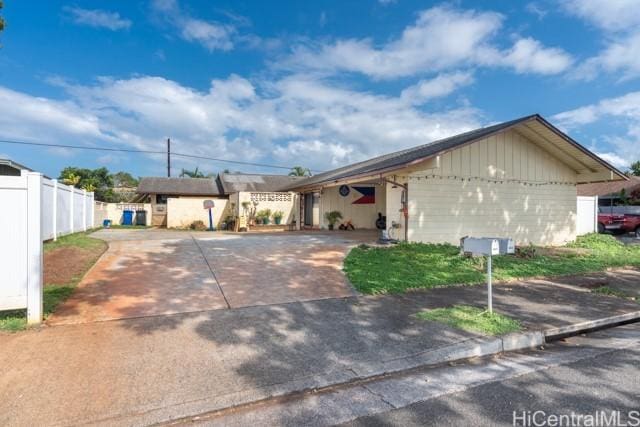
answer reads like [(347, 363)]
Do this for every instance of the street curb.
[(363, 372), (351, 375), (576, 328)]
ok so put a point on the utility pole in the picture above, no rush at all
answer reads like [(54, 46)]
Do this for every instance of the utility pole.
[(168, 158)]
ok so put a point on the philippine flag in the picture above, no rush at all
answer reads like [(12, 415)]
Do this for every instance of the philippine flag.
[(368, 195)]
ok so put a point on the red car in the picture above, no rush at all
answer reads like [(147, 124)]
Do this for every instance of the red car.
[(618, 223)]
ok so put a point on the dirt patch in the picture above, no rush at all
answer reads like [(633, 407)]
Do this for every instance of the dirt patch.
[(68, 264)]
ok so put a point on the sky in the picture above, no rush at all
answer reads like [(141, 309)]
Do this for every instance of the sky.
[(317, 83)]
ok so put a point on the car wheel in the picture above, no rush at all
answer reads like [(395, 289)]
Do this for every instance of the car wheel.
[(600, 228)]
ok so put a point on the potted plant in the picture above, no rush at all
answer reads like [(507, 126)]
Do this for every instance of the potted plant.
[(263, 216), (332, 217), (277, 217)]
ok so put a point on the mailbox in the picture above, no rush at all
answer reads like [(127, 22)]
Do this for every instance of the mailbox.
[(487, 245), (481, 246)]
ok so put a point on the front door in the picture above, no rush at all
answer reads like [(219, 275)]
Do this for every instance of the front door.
[(308, 209)]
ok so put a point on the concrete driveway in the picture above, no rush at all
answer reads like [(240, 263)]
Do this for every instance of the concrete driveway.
[(161, 272)]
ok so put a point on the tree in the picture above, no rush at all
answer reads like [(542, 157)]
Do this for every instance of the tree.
[(1, 18), (194, 174), (124, 179), (299, 171), (97, 180), (635, 168)]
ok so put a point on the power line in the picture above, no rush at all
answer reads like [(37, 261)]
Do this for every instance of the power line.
[(129, 150)]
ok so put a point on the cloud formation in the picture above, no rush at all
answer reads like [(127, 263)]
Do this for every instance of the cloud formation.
[(211, 35), (623, 113), (620, 22), (293, 120), (97, 18), (441, 38)]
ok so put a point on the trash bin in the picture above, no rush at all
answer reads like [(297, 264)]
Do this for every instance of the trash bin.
[(127, 218), (106, 223), (141, 217)]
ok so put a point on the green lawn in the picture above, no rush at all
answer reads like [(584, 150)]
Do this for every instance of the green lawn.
[(472, 319), (423, 266), (55, 293)]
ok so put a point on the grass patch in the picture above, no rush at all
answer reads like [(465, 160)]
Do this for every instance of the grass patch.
[(87, 250), (609, 291), (472, 319), (78, 240), (374, 270)]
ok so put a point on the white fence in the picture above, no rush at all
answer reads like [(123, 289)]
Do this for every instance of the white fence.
[(587, 221), (34, 209)]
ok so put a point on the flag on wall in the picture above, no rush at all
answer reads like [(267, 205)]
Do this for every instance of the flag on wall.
[(368, 195)]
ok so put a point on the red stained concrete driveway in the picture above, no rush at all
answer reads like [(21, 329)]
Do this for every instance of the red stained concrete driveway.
[(155, 272)]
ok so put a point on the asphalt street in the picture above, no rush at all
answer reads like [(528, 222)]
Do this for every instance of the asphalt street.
[(604, 383), (580, 375)]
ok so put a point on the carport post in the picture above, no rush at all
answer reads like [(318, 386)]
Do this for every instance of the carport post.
[(34, 248)]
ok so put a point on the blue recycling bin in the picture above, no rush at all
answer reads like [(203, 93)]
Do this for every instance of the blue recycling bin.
[(127, 218)]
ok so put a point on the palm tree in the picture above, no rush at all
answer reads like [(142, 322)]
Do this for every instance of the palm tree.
[(196, 173), (71, 179), (300, 171)]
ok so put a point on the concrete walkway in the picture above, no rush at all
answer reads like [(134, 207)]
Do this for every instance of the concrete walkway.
[(146, 370)]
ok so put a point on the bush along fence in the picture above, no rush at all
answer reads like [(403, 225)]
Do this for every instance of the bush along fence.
[(34, 209)]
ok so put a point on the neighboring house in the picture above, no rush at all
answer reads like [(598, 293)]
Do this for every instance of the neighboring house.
[(178, 202), (515, 179), (11, 168), (158, 191), (609, 193)]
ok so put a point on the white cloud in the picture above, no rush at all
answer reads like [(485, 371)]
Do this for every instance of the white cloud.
[(537, 10), (441, 38), (294, 120), (529, 56), (620, 22), (211, 35), (610, 15), (442, 85), (97, 18), (626, 106), (622, 113)]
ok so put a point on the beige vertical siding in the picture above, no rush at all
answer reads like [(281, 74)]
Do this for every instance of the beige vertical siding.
[(444, 208), (362, 216)]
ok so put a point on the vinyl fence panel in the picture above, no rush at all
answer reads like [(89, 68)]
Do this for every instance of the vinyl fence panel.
[(34, 209), (587, 221), (13, 246)]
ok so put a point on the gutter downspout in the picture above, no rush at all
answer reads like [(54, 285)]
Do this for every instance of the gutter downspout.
[(405, 205)]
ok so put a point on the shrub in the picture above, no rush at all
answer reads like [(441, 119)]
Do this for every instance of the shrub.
[(198, 226), (277, 215)]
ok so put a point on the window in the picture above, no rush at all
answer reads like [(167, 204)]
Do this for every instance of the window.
[(161, 199)]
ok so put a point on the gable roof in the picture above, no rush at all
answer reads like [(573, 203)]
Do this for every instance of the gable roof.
[(14, 165), (235, 182), (531, 126), (180, 186), (611, 188)]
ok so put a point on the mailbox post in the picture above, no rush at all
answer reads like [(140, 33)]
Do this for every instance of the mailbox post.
[(488, 246), (208, 204)]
